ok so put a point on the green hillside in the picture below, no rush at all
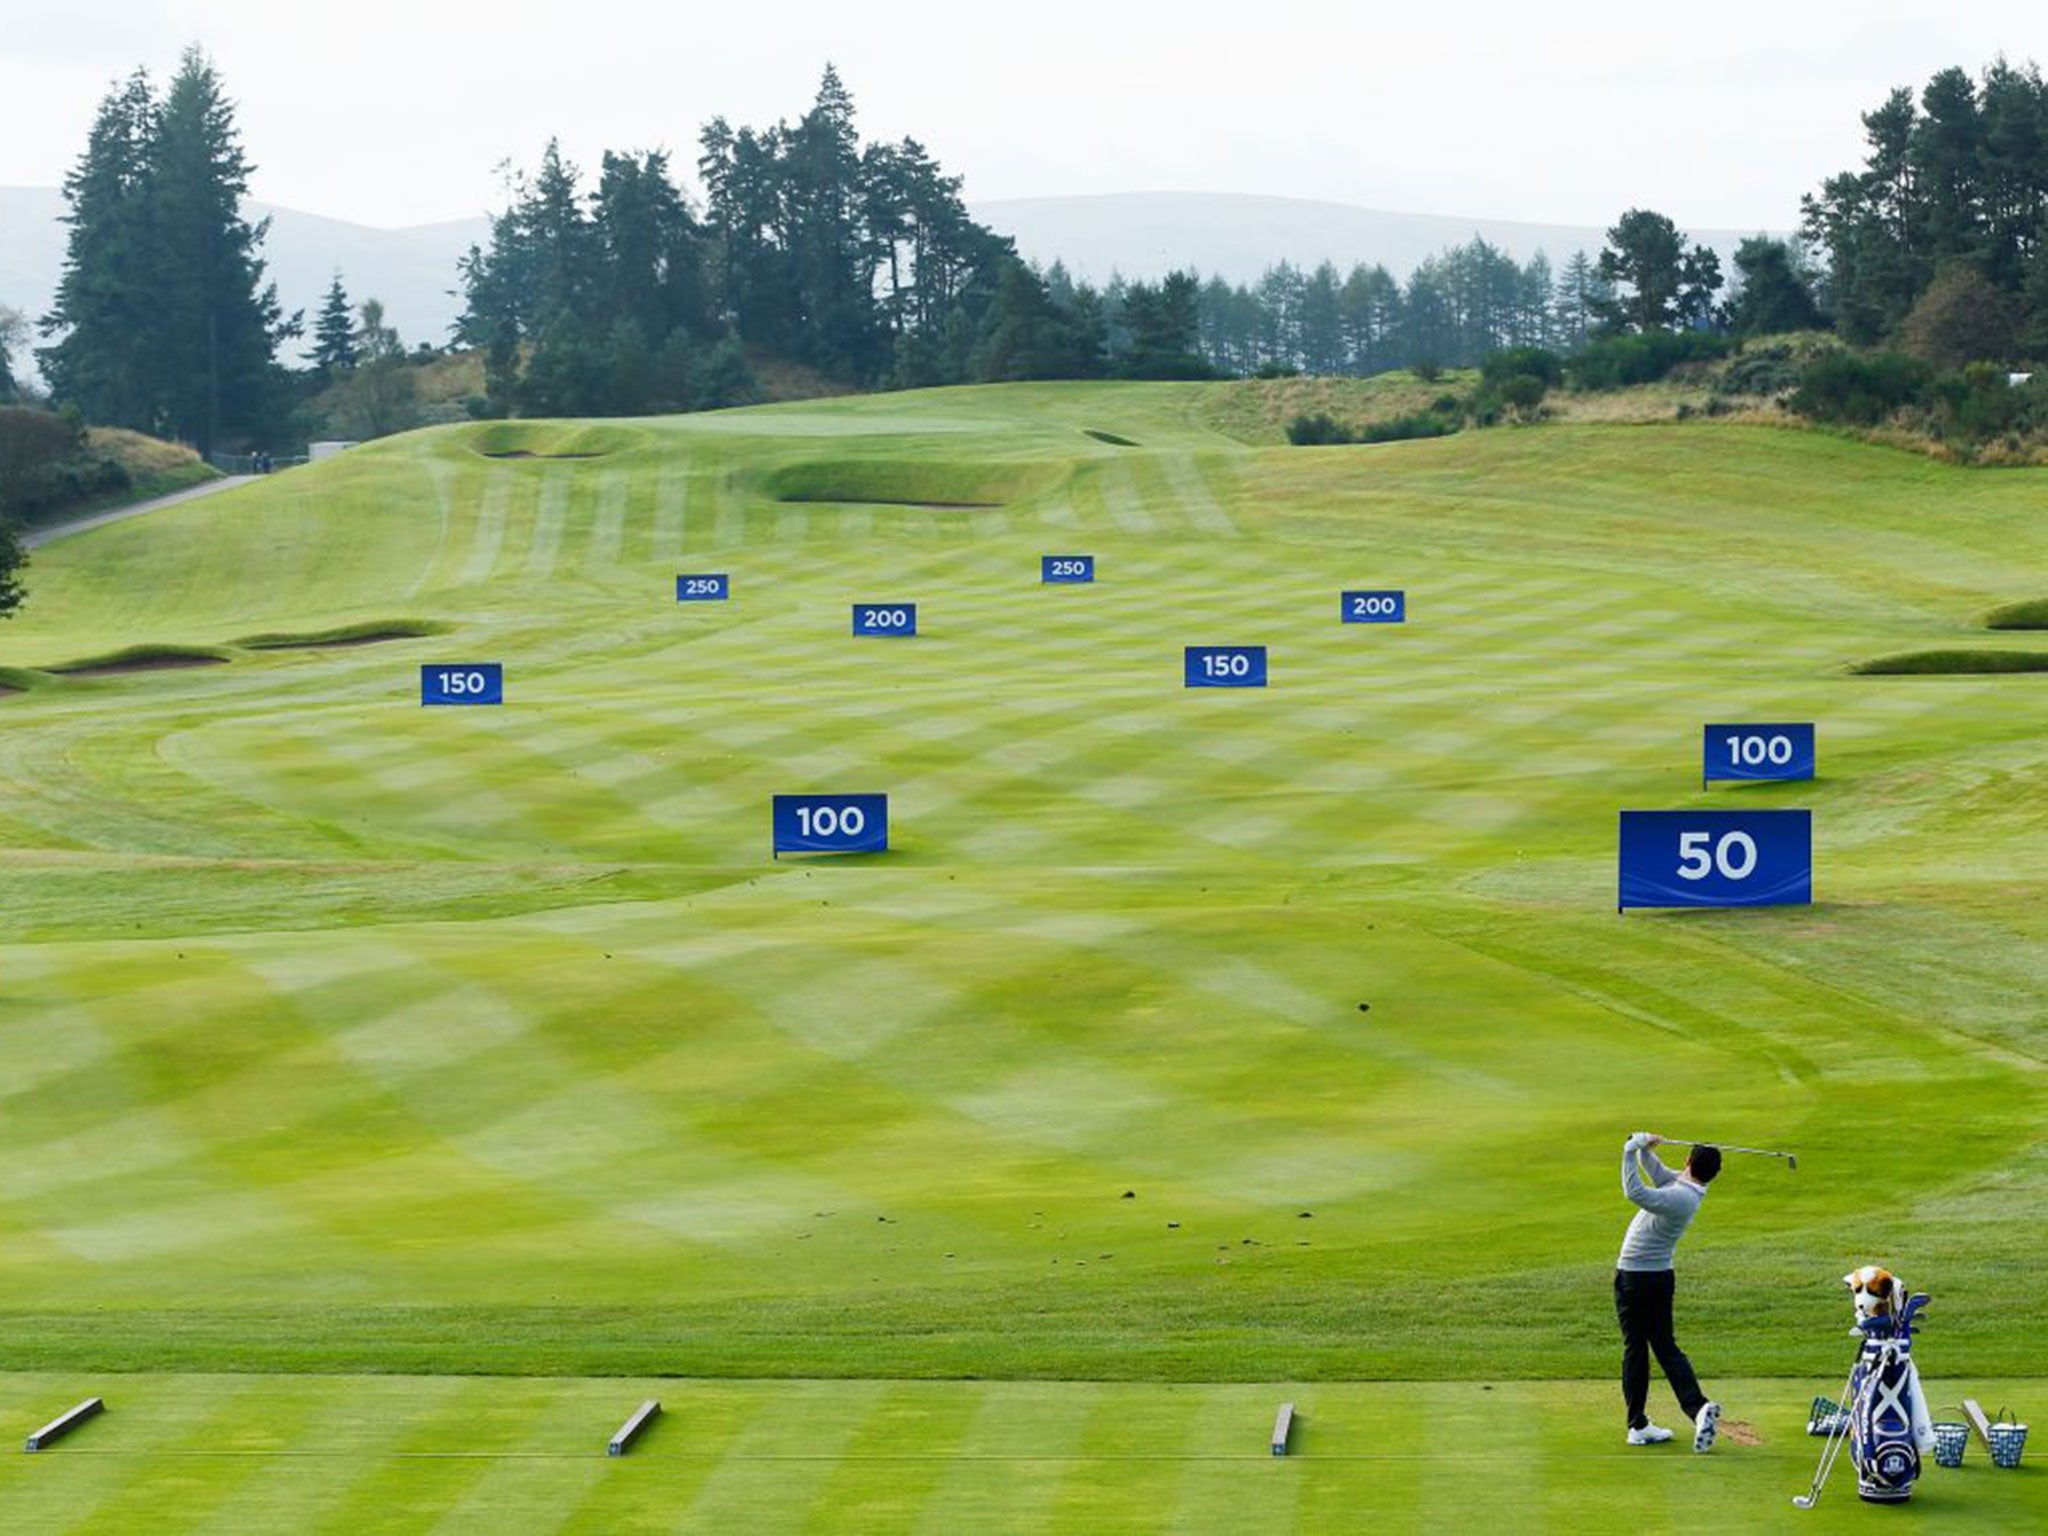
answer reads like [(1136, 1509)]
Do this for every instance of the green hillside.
[(1182, 1037)]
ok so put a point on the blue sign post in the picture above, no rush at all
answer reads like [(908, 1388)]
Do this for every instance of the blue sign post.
[(885, 619), (831, 824), (1757, 752), (1066, 570), (481, 682), (1383, 607), (1716, 859), (1226, 666), (709, 587)]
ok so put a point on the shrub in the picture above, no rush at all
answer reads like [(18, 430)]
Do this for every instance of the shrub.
[(1427, 369), (1400, 428), (1508, 363), (1767, 371), (1320, 430), (1614, 362), (1961, 318), (1317, 431), (47, 464), (1859, 389), (1277, 371)]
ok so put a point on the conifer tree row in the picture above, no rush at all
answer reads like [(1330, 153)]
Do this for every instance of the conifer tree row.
[(162, 320)]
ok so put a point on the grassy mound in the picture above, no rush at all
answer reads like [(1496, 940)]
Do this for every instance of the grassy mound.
[(906, 481), (1954, 662), (364, 632), (141, 658), (552, 439), (2030, 614)]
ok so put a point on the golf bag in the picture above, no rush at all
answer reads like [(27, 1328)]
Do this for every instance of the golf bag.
[(1889, 1425)]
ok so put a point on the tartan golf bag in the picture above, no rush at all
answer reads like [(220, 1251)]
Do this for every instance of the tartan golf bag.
[(1889, 1425)]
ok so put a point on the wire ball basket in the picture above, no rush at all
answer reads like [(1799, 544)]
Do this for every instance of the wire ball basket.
[(1949, 1442), (2007, 1441)]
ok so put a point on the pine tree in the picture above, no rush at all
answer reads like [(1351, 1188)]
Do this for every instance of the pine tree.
[(105, 318), (334, 332), (219, 326), (1645, 252)]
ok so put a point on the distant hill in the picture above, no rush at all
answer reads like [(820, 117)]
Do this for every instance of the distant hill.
[(1146, 234), (411, 270), (1141, 234)]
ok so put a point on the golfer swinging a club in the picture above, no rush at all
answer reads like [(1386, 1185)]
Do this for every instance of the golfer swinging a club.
[(1644, 1283)]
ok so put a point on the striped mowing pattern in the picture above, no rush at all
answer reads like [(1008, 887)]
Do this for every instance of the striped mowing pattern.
[(491, 1040)]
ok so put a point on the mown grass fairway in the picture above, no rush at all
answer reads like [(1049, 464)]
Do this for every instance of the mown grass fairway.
[(346, 1036)]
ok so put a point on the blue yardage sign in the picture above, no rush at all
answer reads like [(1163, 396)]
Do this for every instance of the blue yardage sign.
[(710, 587), (1066, 570), (1226, 666), (888, 619), (1758, 752), (831, 824), (1716, 859), (480, 682), (1381, 607)]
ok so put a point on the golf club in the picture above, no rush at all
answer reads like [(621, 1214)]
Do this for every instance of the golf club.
[(1838, 1434), (1791, 1158)]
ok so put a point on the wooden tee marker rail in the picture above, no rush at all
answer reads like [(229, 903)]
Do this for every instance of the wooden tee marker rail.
[(631, 1429), (64, 1423), (1283, 1427), (1977, 1420)]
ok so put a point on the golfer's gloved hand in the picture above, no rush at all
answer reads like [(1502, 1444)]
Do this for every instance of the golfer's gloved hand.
[(1637, 1142)]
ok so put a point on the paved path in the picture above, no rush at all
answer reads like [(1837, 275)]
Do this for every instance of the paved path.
[(101, 519)]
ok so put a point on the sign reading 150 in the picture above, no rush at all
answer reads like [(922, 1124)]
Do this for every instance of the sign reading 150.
[(1225, 666), (470, 683)]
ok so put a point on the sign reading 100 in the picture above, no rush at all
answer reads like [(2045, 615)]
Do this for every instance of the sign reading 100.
[(1716, 859), (1758, 752), (480, 682), (831, 824)]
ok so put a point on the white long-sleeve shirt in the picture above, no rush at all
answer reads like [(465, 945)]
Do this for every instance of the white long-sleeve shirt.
[(1668, 1205)]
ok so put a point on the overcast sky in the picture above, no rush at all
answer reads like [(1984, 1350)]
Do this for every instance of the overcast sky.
[(392, 113)]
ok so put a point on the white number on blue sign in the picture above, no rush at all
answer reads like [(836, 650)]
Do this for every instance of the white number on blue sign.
[(1754, 751), (831, 820), (1699, 855)]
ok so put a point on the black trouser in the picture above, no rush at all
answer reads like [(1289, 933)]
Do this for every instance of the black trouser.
[(1642, 1303)]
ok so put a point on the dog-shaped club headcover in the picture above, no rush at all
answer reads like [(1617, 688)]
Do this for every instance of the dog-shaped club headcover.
[(1877, 1292)]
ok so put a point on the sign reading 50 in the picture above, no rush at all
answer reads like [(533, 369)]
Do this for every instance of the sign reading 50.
[(1716, 859)]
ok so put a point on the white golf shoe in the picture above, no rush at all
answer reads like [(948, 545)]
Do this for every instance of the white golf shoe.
[(1704, 1427), (1649, 1434)]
